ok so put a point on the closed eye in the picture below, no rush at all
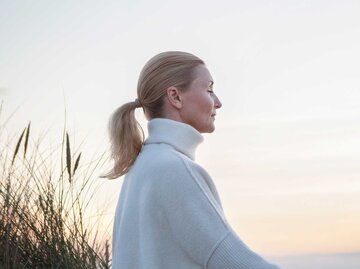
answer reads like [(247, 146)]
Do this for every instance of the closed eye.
[(211, 85)]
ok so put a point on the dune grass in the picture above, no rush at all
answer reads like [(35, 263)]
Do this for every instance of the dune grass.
[(44, 204)]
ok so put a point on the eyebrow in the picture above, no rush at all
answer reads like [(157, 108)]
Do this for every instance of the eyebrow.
[(211, 83)]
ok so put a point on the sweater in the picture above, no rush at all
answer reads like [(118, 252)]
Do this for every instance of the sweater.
[(169, 215)]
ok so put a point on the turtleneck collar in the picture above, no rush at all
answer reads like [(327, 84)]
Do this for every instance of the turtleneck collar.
[(183, 137)]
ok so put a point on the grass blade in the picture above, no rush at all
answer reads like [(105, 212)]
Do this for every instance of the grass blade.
[(18, 146), (77, 163), (68, 156), (27, 138)]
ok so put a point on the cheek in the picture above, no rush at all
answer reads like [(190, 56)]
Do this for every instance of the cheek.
[(200, 105), (208, 104)]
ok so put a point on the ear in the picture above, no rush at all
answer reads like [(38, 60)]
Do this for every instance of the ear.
[(174, 97)]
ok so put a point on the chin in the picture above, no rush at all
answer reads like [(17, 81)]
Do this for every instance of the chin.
[(212, 130), (209, 129)]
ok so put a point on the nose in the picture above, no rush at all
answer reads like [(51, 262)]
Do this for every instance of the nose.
[(217, 102)]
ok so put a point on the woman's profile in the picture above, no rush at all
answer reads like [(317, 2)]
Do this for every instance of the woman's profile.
[(169, 214)]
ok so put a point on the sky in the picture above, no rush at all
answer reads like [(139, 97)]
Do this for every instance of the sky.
[(286, 149)]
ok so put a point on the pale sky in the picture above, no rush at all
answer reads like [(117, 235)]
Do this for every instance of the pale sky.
[(285, 155)]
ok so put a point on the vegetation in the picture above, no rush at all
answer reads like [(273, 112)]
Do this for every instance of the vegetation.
[(44, 207)]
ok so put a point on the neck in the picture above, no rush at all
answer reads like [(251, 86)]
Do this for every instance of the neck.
[(183, 137)]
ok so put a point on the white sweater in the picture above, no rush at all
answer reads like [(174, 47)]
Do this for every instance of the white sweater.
[(169, 214)]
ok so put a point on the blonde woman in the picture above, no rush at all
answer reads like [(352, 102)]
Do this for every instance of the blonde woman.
[(169, 213)]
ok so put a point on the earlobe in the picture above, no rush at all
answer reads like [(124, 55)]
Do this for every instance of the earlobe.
[(174, 97)]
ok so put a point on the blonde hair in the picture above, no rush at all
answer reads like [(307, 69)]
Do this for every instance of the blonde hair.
[(172, 68)]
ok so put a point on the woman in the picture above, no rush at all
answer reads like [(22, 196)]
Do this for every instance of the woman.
[(169, 213)]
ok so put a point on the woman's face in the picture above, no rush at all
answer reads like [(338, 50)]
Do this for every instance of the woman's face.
[(200, 102)]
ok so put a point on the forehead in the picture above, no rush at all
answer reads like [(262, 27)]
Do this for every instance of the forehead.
[(202, 73)]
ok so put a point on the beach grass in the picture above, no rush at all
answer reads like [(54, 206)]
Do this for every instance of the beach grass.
[(45, 198)]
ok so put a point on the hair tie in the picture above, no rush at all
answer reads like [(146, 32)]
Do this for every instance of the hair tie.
[(137, 103)]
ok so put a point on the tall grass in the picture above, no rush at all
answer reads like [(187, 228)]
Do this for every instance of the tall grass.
[(44, 205)]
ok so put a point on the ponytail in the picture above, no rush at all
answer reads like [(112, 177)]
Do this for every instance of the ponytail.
[(126, 137)]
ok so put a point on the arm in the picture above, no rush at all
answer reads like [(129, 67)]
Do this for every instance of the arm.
[(197, 225), (232, 253)]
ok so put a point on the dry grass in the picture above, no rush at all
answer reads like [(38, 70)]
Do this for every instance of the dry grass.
[(43, 207)]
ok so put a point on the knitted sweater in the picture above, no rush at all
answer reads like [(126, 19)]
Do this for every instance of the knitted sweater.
[(169, 214)]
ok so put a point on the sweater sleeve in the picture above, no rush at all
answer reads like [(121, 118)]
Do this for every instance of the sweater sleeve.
[(197, 225), (232, 253)]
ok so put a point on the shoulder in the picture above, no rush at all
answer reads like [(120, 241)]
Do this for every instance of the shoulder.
[(173, 180)]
